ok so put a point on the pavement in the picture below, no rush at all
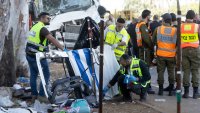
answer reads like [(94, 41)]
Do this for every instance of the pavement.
[(167, 104)]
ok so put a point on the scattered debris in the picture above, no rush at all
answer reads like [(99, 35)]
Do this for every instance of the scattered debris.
[(5, 101)]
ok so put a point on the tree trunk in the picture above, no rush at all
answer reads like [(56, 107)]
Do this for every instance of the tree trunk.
[(13, 31)]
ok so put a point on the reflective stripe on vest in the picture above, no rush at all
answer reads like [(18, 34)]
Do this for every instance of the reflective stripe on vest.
[(113, 37), (34, 37), (189, 35), (139, 34), (122, 70), (136, 70), (166, 41)]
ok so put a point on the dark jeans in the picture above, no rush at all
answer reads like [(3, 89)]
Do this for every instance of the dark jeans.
[(135, 88), (34, 74)]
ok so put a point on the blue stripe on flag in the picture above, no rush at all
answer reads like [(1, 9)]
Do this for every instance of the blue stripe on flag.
[(89, 63), (81, 67)]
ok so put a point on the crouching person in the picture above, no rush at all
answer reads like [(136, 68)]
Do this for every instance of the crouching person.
[(137, 78)]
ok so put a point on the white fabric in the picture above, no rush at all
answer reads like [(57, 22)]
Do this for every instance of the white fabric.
[(111, 67)]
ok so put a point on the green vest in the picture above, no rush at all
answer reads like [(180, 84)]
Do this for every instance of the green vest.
[(34, 38), (135, 69), (113, 37)]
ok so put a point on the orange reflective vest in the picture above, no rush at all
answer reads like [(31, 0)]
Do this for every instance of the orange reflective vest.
[(139, 34), (166, 41), (189, 35)]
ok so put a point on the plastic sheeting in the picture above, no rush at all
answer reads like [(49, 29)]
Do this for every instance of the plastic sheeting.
[(79, 61), (83, 39)]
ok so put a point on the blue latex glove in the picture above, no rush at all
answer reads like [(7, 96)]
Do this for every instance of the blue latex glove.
[(66, 50), (129, 78), (132, 79)]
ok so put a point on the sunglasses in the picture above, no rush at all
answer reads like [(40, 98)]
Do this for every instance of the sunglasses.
[(48, 18)]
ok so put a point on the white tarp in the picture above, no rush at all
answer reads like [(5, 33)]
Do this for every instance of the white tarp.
[(81, 63)]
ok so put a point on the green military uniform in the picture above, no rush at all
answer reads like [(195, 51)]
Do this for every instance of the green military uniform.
[(163, 63), (191, 63), (144, 51)]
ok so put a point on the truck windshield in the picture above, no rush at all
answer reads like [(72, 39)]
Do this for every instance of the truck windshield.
[(62, 6)]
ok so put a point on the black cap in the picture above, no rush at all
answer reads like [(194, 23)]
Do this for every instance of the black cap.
[(166, 16), (101, 10), (120, 20), (190, 14), (43, 14), (155, 17), (146, 13), (173, 17)]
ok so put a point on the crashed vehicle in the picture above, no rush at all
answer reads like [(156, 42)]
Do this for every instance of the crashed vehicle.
[(67, 17)]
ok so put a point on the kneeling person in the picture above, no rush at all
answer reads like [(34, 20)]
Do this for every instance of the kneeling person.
[(137, 79)]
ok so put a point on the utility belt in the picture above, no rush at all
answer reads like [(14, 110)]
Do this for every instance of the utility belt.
[(32, 49)]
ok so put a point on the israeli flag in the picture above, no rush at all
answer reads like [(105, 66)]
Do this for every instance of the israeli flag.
[(82, 66)]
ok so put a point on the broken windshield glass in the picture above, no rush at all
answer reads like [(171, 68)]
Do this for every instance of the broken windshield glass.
[(61, 6)]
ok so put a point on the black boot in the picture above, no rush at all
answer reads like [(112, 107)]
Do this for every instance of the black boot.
[(167, 88), (150, 90), (196, 94), (171, 87), (143, 95), (160, 92), (186, 92)]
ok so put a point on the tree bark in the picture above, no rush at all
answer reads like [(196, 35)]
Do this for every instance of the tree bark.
[(13, 32)]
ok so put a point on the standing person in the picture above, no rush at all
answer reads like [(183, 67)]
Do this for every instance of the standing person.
[(110, 21), (133, 37), (174, 24), (117, 37), (155, 23), (38, 42), (190, 54), (165, 38), (174, 20), (144, 41)]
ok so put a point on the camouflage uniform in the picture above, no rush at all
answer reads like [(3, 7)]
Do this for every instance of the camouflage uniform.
[(144, 51), (191, 63)]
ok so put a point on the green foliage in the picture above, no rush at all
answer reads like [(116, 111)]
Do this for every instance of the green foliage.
[(159, 6)]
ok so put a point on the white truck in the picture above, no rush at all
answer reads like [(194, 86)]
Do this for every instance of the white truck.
[(69, 14)]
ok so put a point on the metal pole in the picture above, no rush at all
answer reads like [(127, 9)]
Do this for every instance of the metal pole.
[(101, 63), (178, 64), (90, 35)]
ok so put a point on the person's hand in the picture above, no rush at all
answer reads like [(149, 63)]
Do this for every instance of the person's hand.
[(66, 50), (114, 46)]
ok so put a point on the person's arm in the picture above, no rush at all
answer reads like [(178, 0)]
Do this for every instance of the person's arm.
[(54, 41), (145, 72), (146, 38), (44, 33), (154, 37), (123, 42)]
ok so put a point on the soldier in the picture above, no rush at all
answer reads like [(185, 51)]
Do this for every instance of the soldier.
[(165, 39), (144, 41), (190, 54)]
